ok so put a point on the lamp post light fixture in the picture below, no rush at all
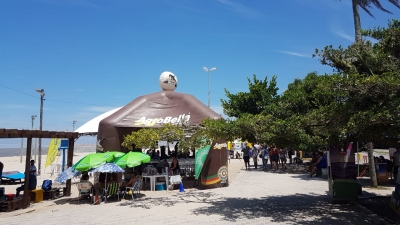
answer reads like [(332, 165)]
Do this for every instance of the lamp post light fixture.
[(33, 119), (41, 92), (208, 72), (73, 125)]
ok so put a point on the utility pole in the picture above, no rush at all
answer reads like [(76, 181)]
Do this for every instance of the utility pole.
[(34, 152), (41, 92), (33, 119), (73, 125), (208, 72)]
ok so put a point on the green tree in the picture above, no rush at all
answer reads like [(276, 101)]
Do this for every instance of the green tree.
[(300, 114), (366, 5), (261, 94), (143, 138), (370, 78)]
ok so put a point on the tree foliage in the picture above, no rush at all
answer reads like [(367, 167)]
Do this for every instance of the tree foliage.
[(261, 94)]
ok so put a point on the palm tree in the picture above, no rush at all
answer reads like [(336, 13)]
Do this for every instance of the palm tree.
[(366, 5)]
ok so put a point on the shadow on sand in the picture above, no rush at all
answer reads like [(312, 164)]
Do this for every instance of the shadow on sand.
[(298, 208)]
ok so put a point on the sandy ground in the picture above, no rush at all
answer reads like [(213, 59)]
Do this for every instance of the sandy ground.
[(253, 196), (14, 164)]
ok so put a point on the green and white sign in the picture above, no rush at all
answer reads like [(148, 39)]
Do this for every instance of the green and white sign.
[(200, 158)]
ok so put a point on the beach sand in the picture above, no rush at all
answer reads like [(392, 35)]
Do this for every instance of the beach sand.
[(13, 164)]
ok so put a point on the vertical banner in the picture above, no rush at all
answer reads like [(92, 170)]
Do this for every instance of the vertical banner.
[(215, 168), (200, 158), (343, 184), (52, 151)]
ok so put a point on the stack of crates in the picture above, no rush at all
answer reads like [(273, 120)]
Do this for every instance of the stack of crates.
[(8, 206)]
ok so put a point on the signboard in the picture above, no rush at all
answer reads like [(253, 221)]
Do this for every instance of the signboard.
[(215, 167)]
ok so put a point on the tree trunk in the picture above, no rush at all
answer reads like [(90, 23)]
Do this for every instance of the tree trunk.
[(357, 21), (372, 173)]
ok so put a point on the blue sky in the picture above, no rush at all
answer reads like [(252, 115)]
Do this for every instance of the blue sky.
[(91, 56)]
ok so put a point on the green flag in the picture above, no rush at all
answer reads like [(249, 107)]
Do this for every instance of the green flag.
[(200, 158)]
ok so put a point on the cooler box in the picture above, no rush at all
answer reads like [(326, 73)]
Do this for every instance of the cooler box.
[(160, 186), (36, 195)]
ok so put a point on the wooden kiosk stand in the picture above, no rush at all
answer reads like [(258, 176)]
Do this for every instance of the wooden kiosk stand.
[(342, 175)]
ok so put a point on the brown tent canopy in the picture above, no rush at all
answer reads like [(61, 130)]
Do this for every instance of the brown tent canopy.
[(151, 110)]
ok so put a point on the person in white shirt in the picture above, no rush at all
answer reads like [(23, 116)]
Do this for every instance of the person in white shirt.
[(32, 179), (33, 169)]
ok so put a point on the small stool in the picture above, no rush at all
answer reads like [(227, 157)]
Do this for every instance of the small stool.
[(36, 195)]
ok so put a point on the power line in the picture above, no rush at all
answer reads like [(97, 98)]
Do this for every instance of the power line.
[(19, 91), (51, 100)]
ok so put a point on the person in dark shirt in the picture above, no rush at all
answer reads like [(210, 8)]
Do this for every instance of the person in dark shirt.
[(319, 164), (246, 156), (175, 164), (389, 166)]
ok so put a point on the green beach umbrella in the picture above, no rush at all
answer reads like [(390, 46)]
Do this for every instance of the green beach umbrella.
[(132, 159), (92, 161), (116, 154)]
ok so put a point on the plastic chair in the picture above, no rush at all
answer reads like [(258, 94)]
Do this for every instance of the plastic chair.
[(111, 190), (84, 188), (135, 188)]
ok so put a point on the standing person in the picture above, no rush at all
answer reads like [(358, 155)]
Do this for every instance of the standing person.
[(265, 156), (32, 179), (32, 168), (161, 165), (255, 156), (396, 164), (175, 164), (246, 157), (274, 155), (290, 154), (282, 155)]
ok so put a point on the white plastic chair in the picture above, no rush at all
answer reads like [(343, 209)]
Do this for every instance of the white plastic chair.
[(84, 188)]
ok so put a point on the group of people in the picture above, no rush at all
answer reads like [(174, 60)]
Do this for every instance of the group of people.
[(278, 156), (265, 152)]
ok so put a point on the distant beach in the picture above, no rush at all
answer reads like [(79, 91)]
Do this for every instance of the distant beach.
[(9, 152)]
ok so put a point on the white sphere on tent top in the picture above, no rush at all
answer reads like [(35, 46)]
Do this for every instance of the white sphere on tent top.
[(168, 81)]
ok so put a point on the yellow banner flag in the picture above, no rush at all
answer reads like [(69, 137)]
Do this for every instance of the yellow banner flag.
[(52, 151)]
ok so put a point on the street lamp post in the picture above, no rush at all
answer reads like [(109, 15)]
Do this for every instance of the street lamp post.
[(208, 72), (41, 92), (73, 125), (34, 150), (33, 119)]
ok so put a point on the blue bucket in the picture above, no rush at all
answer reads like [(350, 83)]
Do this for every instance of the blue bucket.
[(160, 186)]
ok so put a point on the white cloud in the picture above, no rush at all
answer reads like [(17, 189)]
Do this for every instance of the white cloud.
[(294, 54), (241, 9), (337, 30), (343, 35)]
